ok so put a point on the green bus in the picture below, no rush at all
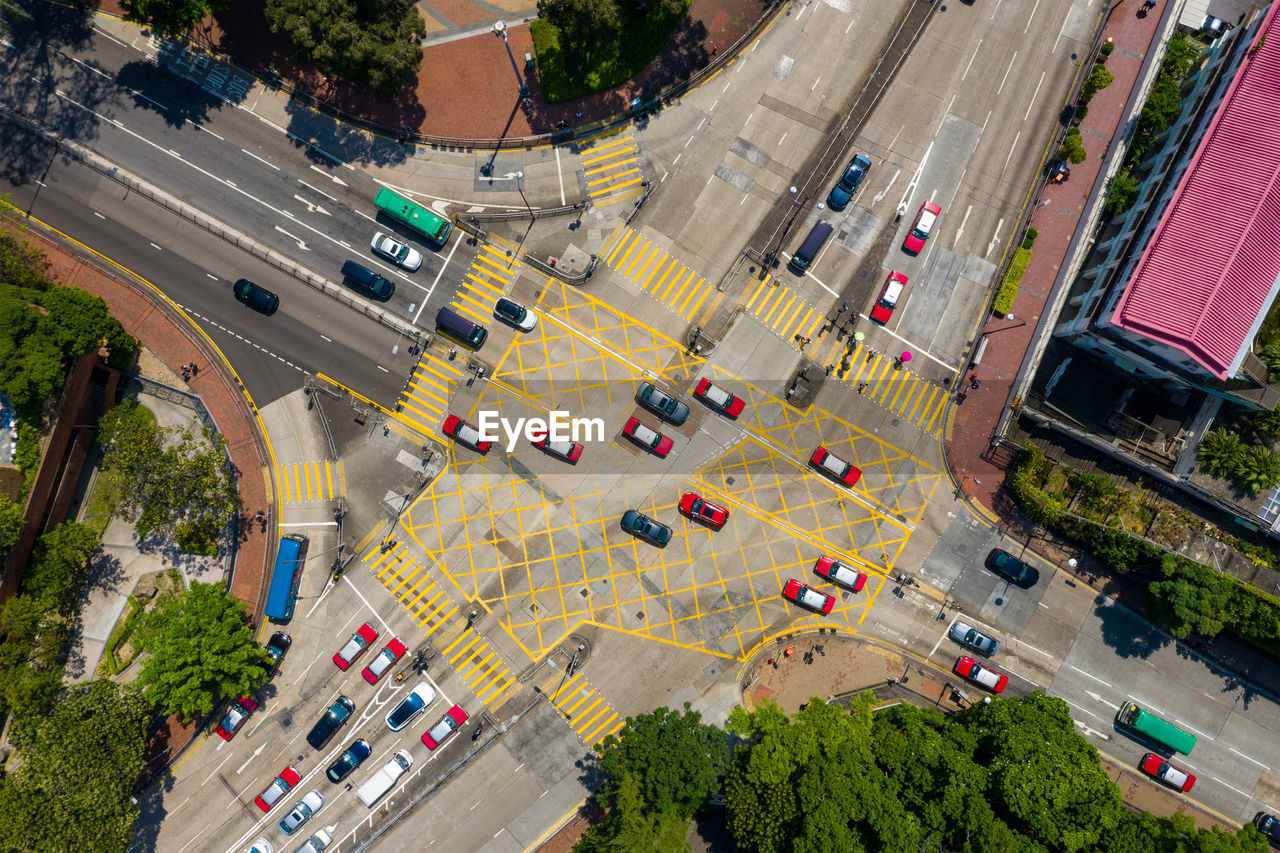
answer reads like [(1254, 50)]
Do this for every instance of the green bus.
[(433, 227), (1146, 723)]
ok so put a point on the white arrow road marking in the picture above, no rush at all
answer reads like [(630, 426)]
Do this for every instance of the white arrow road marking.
[(301, 245), (312, 208)]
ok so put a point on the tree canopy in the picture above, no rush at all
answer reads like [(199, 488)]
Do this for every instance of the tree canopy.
[(374, 44), (201, 649), (73, 787), (170, 19), (171, 482)]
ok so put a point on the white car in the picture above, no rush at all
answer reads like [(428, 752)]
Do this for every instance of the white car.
[(396, 252), (317, 842), (262, 845), (302, 812)]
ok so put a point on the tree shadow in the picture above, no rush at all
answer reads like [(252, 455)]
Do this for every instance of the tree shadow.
[(1127, 632), (35, 69), (168, 93), (104, 572)]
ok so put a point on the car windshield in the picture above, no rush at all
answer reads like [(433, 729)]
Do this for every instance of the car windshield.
[(718, 396), (397, 250), (512, 310), (233, 717), (835, 466)]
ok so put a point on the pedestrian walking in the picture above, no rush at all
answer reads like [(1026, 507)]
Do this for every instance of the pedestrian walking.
[(862, 386)]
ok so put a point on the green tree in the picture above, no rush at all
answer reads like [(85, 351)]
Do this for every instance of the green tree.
[(1219, 453), (202, 649), (1122, 189), (79, 765), (170, 482), (170, 19), (374, 44), (581, 22), (1073, 147), (1257, 470), (31, 655), (57, 570), (10, 523), (1270, 356), (1192, 599), (1099, 78)]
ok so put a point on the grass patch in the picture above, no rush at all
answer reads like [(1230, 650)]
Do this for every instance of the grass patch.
[(1008, 290), (567, 72)]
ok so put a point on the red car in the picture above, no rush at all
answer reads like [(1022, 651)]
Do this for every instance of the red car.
[(465, 434), (386, 658), (889, 296), (569, 451), (967, 667), (275, 792), (1174, 777), (807, 596), (718, 398), (445, 726), (355, 647), (925, 220), (712, 515), (647, 437), (840, 574), (236, 715), (835, 467)]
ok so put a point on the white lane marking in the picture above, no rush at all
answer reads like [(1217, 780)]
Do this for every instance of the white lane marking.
[(439, 275), (241, 768), (560, 175), (205, 129), (314, 190), (1033, 96), (99, 215), (971, 59), (157, 248), (1012, 59), (1031, 18), (333, 178), (260, 160), (1090, 675)]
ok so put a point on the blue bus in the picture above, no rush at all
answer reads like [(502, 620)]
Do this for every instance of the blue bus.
[(285, 577)]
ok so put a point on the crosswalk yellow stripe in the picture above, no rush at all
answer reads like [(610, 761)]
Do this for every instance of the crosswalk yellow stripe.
[(641, 254), (779, 304), (902, 386), (625, 240), (698, 288), (941, 407), (618, 724), (703, 293), (674, 281), (666, 271), (684, 286), (619, 186), (756, 295)]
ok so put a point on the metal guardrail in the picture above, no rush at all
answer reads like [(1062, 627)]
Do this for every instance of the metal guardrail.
[(527, 213)]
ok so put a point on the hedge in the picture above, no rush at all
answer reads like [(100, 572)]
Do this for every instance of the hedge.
[(1008, 290)]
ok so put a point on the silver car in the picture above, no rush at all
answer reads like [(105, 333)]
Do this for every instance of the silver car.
[(396, 252), (971, 638), (302, 812)]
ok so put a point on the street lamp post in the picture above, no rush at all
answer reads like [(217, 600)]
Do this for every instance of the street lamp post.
[(520, 188), (500, 28)]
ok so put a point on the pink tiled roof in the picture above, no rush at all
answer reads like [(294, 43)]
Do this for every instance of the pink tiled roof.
[(1215, 256)]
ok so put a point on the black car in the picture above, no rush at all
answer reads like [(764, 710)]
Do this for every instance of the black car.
[(1012, 569), (339, 712), (646, 528), (848, 184), (1269, 826), (663, 405), (257, 298), (277, 646), (349, 760)]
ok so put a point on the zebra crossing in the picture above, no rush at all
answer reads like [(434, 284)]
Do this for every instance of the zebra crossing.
[(590, 716), (488, 278), (874, 374), (466, 651), (425, 397), (660, 275), (612, 171), (312, 481)]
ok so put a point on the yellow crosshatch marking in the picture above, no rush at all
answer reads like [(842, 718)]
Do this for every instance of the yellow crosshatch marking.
[(312, 481)]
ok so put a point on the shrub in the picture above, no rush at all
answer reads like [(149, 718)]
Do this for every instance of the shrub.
[(1122, 190), (1028, 240), (1219, 453), (1081, 112), (1008, 290), (1073, 147), (1099, 79), (1108, 47)]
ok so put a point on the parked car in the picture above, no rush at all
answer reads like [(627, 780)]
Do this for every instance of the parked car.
[(236, 715), (327, 726), (276, 647), (279, 786), (317, 842), (662, 404), (262, 845), (422, 695), (1175, 777), (973, 639), (1012, 569), (712, 515), (386, 658), (256, 297), (360, 640), (643, 527), (465, 434), (926, 218), (890, 294), (967, 667), (718, 398), (302, 812), (515, 315), (840, 574), (647, 437), (835, 467), (445, 726), (1269, 826), (807, 596), (349, 760), (849, 182), (395, 251), (569, 451)]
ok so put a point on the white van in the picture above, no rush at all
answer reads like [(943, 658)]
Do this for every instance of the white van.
[(382, 781)]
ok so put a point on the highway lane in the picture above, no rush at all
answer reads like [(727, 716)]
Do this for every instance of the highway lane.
[(239, 168), (309, 334)]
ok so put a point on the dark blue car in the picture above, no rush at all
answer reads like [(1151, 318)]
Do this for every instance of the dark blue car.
[(349, 760), (843, 191)]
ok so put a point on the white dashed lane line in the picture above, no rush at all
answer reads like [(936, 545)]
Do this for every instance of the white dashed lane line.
[(215, 324)]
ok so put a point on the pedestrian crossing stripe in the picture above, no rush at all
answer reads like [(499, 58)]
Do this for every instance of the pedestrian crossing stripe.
[(467, 652), (425, 398), (312, 481), (485, 281), (611, 167), (660, 275), (590, 716)]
